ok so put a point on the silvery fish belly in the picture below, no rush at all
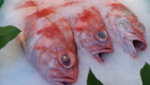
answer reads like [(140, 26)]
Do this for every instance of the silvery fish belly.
[(50, 47)]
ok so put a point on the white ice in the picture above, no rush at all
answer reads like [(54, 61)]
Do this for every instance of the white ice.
[(118, 69)]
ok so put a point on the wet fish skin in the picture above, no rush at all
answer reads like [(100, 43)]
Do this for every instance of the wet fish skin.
[(90, 28), (47, 45), (50, 47), (95, 45), (127, 29)]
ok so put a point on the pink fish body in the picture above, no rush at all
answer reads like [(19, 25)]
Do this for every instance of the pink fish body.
[(50, 47), (92, 33), (127, 29)]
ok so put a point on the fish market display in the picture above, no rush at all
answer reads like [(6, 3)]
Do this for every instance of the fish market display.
[(54, 31), (48, 40)]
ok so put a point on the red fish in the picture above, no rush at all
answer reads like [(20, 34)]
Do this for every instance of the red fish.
[(50, 47), (127, 29), (92, 33)]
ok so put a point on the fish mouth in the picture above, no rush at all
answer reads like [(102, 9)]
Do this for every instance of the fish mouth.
[(100, 54), (63, 76), (133, 47), (63, 81), (134, 43), (139, 45)]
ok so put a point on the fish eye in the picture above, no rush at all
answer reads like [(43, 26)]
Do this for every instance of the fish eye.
[(66, 59), (139, 26), (101, 35)]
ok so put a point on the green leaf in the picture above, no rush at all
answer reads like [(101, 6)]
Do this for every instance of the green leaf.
[(7, 34), (1, 2), (92, 80), (145, 74)]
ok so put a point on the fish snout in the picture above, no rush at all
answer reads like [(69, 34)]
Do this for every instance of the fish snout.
[(133, 43), (138, 42), (67, 71), (100, 53), (63, 76)]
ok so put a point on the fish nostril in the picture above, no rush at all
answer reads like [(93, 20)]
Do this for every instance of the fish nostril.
[(138, 45)]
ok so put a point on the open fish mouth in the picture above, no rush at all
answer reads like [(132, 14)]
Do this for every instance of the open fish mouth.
[(139, 45), (134, 43), (100, 55)]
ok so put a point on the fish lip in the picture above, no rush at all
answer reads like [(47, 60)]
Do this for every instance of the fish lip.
[(139, 38), (61, 78), (134, 40), (99, 51), (102, 51), (64, 80)]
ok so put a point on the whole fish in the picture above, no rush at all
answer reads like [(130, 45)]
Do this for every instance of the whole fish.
[(49, 45), (90, 29), (126, 29)]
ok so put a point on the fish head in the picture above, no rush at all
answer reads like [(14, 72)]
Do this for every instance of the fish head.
[(92, 33), (130, 30), (55, 53)]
